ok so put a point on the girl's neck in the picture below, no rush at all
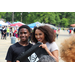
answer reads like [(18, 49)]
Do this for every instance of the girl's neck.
[(44, 42)]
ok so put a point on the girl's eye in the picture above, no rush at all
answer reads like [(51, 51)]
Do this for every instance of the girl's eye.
[(40, 34), (35, 34)]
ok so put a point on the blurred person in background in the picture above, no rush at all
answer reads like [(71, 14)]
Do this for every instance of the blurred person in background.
[(70, 31), (11, 31), (8, 31), (2, 33)]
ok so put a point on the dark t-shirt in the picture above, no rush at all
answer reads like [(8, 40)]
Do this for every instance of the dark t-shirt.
[(4, 32), (15, 50)]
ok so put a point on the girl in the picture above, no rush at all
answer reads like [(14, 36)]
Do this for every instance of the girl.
[(47, 36)]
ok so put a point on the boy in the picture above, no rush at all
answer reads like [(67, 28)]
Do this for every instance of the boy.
[(23, 45)]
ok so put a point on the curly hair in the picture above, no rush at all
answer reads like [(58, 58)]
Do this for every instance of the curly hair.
[(67, 49), (49, 33)]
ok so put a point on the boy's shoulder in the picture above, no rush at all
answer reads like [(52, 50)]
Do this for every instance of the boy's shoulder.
[(15, 44), (30, 44)]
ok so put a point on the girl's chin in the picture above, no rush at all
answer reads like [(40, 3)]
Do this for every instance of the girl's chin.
[(40, 41)]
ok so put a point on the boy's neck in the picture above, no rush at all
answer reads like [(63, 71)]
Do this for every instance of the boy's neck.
[(23, 43)]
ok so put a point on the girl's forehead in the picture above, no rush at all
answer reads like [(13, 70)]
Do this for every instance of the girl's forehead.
[(38, 30)]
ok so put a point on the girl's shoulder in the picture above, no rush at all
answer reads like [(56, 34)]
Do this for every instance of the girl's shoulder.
[(50, 43), (52, 46)]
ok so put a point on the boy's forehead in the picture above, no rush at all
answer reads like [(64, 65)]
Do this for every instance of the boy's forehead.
[(24, 29)]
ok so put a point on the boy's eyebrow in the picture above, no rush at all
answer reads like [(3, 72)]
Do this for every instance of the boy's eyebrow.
[(25, 31)]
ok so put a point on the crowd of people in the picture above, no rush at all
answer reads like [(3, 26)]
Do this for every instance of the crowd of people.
[(7, 31)]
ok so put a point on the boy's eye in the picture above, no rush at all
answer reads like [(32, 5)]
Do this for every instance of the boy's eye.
[(25, 32), (20, 32)]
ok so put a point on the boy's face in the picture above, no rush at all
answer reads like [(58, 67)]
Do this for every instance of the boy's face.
[(24, 34)]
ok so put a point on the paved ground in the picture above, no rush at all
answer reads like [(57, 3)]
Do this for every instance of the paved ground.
[(4, 44), (62, 36)]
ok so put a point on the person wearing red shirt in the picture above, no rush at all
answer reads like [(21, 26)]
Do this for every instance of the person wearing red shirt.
[(14, 33), (69, 31)]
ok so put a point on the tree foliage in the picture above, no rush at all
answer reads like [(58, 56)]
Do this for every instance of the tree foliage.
[(56, 18)]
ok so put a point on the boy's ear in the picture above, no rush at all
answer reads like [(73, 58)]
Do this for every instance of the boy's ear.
[(18, 33), (29, 34)]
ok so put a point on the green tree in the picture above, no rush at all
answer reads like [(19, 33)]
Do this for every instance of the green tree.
[(71, 17), (2, 14), (57, 18), (8, 16), (64, 22)]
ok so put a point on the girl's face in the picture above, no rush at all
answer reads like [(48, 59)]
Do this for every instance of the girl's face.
[(39, 35), (24, 34)]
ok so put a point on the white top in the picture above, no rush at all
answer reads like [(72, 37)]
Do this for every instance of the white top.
[(52, 46)]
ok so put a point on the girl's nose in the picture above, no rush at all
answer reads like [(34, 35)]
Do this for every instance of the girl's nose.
[(38, 36)]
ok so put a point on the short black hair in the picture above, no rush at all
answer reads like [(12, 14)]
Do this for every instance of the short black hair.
[(74, 30), (24, 26)]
